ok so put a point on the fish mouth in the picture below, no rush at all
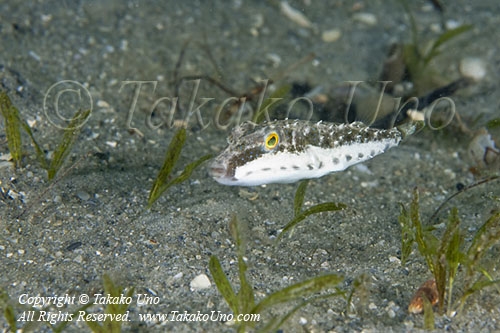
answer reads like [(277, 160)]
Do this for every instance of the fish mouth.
[(220, 173), (217, 171)]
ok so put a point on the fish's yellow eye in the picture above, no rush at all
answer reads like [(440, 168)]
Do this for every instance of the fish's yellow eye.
[(272, 140)]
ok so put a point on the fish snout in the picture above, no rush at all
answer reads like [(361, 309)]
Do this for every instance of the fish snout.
[(217, 170)]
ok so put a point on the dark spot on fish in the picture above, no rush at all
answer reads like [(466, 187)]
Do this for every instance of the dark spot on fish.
[(335, 160), (295, 167), (348, 157), (360, 155), (249, 173), (372, 153), (266, 169), (320, 165), (283, 168), (310, 166)]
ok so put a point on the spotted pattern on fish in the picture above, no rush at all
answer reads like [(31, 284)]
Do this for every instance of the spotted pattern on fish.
[(286, 151)]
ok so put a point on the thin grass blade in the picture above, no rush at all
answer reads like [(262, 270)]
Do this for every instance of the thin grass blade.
[(320, 208), (95, 327), (425, 241), (12, 128), (493, 124), (188, 170), (444, 38), (477, 286), (298, 290), (70, 134), (275, 323), (444, 252), (171, 158), (359, 285), (110, 324), (10, 317), (246, 298), (429, 321), (65, 323), (271, 103), (223, 285), (185, 174), (299, 197), (407, 236), (486, 236), (453, 253), (39, 152)]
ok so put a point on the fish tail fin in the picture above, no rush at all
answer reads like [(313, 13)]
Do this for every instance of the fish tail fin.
[(410, 127)]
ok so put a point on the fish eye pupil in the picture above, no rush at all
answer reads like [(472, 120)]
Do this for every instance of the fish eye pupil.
[(272, 140)]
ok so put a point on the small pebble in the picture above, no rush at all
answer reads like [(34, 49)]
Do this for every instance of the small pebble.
[(258, 21), (200, 282), (34, 55), (294, 15), (6, 157), (366, 18), (274, 58), (112, 144), (473, 68), (391, 309), (452, 24), (427, 8), (124, 45), (102, 104), (109, 48), (84, 196), (330, 36), (5, 164), (78, 259), (416, 115), (371, 184), (394, 259), (46, 18)]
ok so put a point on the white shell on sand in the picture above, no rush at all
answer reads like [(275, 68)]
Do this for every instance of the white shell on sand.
[(200, 282), (332, 35), (473, 68)]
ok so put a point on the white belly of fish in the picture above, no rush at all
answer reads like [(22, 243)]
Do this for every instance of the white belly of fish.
[(313, 162)]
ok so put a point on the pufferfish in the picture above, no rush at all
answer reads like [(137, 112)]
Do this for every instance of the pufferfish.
[(286, 151)]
